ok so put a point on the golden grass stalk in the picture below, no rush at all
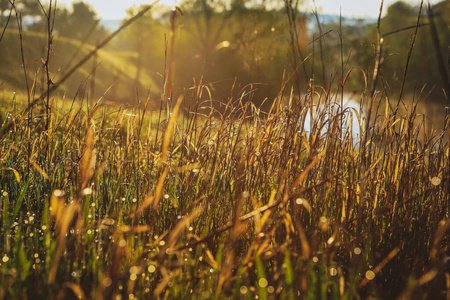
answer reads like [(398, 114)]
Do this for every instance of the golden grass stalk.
[(87, 164), (169, 131), (63, 216)]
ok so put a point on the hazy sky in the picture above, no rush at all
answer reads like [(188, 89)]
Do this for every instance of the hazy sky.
[(115, 9)]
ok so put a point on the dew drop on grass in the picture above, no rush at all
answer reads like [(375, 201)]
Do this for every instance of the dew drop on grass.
[(333, 272), (58, 193), (107, 282), (122, 243), (263, 282), (357, 251), (151, 269), (435, 181), (330, 241), (323, 224), (243, 290), (370, 275), (270, 289), (5, 193), (5, 258), (86, 191), (315, 259), (134, 270)]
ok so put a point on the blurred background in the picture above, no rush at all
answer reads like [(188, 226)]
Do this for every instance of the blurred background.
[(227, 47)]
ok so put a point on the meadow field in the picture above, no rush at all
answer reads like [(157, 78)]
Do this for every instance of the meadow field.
[(293, 195)]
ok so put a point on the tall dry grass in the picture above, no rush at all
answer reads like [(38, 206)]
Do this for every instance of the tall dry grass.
[(237, 203)]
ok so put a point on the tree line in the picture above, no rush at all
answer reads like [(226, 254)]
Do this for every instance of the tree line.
[(239, 45)]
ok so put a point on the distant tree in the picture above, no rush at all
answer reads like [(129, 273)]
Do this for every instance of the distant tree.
[(29, 7), (80, 23), (357, 51), (62, 22), (145, 37), (208, 30), (81, 20), (26, 8), (423, 64), (224, 41), (4, 7)]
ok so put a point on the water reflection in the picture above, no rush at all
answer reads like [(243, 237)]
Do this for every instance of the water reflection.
[(322, 119)]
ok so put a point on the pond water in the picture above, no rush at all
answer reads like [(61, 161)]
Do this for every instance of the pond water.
[(322, 118)]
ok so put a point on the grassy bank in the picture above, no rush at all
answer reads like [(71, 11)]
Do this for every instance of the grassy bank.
[(108, 71)]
